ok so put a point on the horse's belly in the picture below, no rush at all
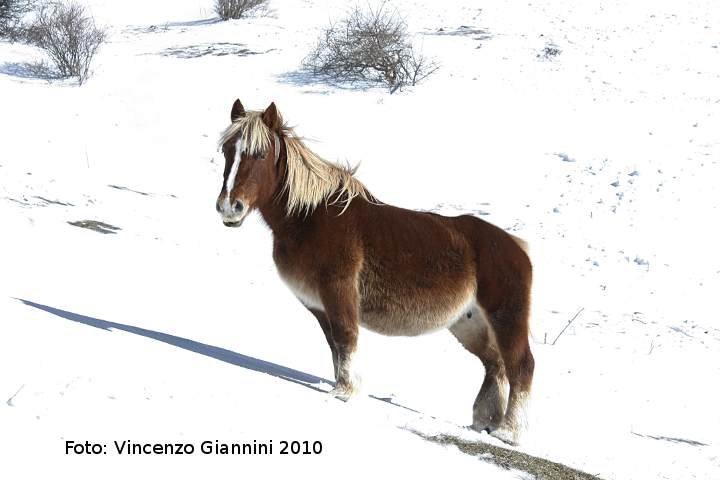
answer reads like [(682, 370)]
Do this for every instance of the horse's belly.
[(395, 302), (402, 325), (417, 316)]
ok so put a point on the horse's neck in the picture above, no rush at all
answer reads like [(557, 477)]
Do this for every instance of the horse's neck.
[(275, 215), (274, 212)]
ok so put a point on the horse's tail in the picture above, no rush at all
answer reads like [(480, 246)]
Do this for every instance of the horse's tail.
[(521, 243)]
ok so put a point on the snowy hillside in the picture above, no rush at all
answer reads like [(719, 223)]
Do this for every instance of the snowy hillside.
[(588, 128)]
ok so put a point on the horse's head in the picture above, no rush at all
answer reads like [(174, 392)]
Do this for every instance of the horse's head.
[(251, 145)]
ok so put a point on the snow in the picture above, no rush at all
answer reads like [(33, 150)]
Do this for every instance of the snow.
[(605, 157)]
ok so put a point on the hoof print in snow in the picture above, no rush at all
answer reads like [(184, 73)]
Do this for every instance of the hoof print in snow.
[(565, 157), (641, 261), (549, 52), (100, 227)]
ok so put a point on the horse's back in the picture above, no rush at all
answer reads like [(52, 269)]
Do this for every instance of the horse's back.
[(442, 244)]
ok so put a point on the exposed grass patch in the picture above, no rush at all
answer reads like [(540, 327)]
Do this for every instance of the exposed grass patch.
[(53, 202), (120, 187), (464, 30), (541, 468), (215, 49), (95, 225)]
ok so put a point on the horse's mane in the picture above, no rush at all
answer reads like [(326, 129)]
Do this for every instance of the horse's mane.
[(310, 180)]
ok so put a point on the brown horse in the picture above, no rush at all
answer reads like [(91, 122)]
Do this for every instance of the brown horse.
[(352, 260)]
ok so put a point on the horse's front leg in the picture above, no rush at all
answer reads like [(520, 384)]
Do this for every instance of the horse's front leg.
[(341, 303), (325, 325)]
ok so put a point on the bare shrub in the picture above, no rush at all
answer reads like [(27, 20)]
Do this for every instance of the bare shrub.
[(11, 16), (69, 37), (234, 9), (370, 44)]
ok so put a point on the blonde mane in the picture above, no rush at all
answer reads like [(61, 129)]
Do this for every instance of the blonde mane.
[(310, 180)]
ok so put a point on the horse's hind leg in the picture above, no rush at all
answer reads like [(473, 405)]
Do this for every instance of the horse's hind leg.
[(510, 324), (325, 325), (473, 332)]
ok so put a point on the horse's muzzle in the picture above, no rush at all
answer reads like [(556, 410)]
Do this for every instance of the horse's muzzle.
[(233, 224)]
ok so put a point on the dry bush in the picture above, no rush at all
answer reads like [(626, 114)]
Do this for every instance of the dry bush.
[(370, 44), (11, 16), (69, 37), (234, 9)]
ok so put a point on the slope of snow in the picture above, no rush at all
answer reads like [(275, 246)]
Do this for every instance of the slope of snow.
[(175, 329)]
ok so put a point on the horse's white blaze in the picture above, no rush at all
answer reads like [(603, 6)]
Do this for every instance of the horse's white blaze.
[(233, 172)]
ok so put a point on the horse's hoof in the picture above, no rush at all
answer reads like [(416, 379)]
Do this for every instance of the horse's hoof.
[(508, 436), (478, 428), (488, 426), (342, 393)]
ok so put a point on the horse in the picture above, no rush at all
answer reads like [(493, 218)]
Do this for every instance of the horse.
[(353, 260)]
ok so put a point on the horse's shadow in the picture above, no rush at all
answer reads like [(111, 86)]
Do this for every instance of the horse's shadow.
[(224, 355)]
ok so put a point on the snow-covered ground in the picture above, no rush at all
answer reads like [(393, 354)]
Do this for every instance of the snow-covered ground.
[(605, 157)]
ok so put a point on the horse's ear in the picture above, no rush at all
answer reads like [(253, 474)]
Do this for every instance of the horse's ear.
[(271, 118), (237, 110)]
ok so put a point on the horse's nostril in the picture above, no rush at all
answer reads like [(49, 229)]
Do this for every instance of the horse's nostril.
[(238, 206), (218, 208)]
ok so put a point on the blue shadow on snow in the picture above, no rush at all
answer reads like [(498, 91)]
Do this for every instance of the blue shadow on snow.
[(218, 353)]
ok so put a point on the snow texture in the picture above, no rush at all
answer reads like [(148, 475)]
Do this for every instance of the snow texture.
[(128, 312)]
